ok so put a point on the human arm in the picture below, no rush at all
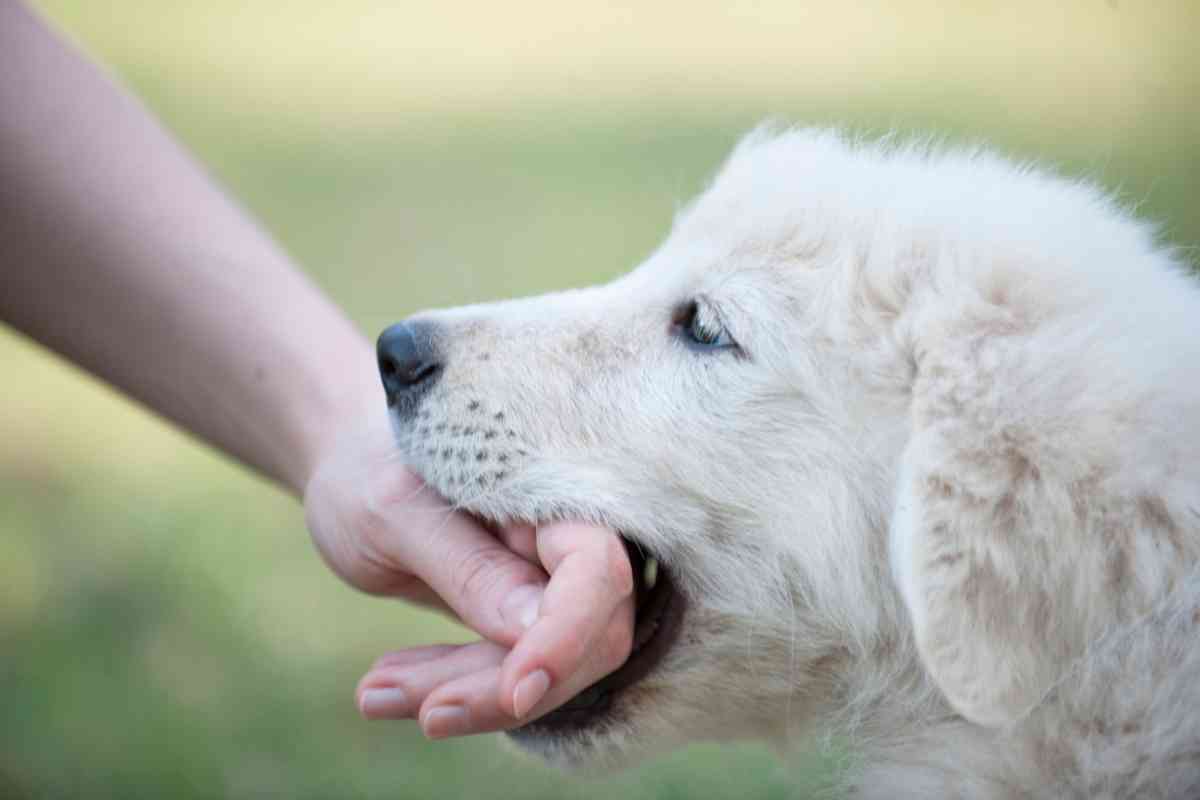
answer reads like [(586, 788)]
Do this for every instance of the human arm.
[(118, 251), (121, 254)]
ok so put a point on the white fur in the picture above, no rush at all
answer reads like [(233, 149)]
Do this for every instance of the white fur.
[(944, 505)]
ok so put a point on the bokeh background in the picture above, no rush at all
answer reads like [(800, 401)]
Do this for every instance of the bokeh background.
[(165, 628)]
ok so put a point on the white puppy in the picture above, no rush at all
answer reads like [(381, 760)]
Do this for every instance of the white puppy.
[(907, 444)]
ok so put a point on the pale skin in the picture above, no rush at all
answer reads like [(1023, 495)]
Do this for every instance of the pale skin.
[(118, 252)]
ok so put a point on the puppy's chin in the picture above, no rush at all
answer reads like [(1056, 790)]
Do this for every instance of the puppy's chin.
[(633, 730), (591, 754)]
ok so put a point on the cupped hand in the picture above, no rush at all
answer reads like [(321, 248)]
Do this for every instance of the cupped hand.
[(554, 606)]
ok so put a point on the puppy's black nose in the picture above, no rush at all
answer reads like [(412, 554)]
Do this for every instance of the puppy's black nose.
[(409, 363)]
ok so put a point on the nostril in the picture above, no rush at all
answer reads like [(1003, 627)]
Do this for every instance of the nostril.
[(409, 373), (423, 372)]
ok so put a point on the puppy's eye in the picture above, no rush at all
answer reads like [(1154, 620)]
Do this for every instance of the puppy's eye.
[(702, 329)]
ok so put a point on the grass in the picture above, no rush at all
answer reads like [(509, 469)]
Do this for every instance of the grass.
[(165, 628)]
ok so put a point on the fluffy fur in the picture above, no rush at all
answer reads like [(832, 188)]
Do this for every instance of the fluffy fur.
[(941, 502)]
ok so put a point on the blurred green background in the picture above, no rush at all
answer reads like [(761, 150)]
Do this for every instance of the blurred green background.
[(165, 627)]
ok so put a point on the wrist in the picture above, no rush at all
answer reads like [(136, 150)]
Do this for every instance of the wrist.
[(350, 402)]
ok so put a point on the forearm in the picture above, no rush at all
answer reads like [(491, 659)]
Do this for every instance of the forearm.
[(117, 251)]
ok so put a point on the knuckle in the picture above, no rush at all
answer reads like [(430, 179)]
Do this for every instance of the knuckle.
[(367, 535), (365, 518), (477, 572), (402, 485), (372, 515)]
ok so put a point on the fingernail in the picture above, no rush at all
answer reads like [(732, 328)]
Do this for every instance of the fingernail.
[(383, 703), (529, 691), (446, 721), (522, 604)]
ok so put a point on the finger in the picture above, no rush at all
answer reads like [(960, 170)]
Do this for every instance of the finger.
[(396, 688), (412, 655), (521, 538), (528, 700), (415, 590), (492, 589), (465, 706), (586, 619), (471, 703)]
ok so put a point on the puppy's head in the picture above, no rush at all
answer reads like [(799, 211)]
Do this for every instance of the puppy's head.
[(692, 406), (738, 408)]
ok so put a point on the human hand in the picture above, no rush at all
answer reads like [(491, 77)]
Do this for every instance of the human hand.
[(555, 605)]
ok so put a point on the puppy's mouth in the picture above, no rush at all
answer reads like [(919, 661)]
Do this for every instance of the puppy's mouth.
[(658, 619)]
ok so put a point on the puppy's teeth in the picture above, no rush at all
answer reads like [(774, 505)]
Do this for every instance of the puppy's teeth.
[(650, 573)]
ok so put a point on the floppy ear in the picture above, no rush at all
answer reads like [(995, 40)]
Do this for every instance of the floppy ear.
[(987, 536)]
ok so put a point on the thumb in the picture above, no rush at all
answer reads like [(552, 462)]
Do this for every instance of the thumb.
[(493, 590)]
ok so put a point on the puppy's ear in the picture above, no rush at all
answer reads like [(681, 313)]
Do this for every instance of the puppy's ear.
[(995, 560)]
